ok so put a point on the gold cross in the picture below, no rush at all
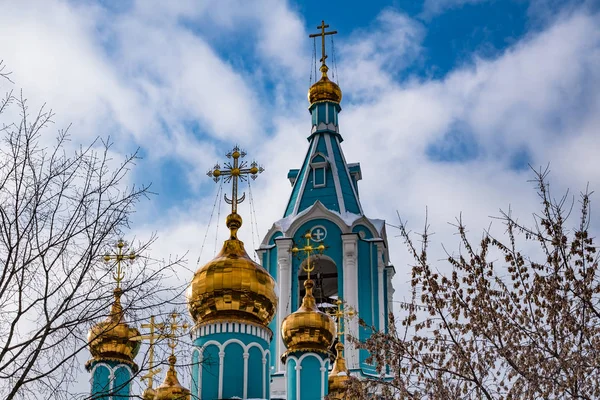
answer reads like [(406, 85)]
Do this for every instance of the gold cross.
[(308, 250), (322, 34), (172, 329), (233, 172), (151, 337), (340, 314), (118, 257)]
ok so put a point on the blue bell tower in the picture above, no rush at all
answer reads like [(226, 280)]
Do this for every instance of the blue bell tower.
[(325, 203)]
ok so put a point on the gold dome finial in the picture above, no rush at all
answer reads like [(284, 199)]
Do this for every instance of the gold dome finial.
[(324, 89), (171, 389), (112, 338), (339, 373), (232, 287), (308, 328)]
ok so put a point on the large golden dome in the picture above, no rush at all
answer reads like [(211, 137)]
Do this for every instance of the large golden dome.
[(308, 328), (111, 338), (171, 389), (324, 89), (232, 287), (338, 377)]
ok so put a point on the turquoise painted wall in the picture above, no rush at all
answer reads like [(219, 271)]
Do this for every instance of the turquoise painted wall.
[(122, 383), (195, 369), (233, 371), (256, 372), (311, 378), (290, 372), (210, 372), (102, 383)]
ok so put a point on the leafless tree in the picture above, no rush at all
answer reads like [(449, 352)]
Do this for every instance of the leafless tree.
[(503, 324), (60, 210)]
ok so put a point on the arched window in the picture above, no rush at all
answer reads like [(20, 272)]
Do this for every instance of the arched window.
[(319, 163), (325, 276)]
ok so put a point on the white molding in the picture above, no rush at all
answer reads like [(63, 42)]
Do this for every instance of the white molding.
[(334, 171), (304, 177), (221, 362), (233, 327), (348, 174), (284, 279), (350, 295), (246, 355)]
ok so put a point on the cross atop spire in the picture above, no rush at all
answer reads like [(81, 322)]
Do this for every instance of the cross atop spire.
[(309, 250), (340, 315), (152, 336), (322, 34), (118, 257), (234, 171)]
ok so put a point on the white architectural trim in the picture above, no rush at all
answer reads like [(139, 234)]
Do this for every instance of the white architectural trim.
[(350, 296), (284, 278), (245, 390), (348, 174), (304, 178), (265, 373), (298, 387), (221, 362), (336, 178), (233, 327)]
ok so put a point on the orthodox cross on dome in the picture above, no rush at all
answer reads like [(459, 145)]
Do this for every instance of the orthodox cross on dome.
[(340, 315), (172, 330), (151, 337), (322, 34), (309, 250), (118, 275), (233, 172)]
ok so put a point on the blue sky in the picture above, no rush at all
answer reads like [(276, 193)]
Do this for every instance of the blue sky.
[(446, 101)]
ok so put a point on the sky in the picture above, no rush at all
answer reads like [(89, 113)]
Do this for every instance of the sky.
[(446, 103)]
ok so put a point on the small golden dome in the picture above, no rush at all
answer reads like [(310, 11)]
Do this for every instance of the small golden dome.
[(324, 89), (149, 394), (232, 287), (308, 328), (171, 389), (111, 338), (338, 376)]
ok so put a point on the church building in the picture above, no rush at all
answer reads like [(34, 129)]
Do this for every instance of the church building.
[(274, 330)]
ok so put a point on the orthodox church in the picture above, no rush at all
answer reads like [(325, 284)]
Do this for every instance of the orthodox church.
[(274, 330)]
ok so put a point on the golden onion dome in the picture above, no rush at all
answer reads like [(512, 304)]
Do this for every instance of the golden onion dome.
[(111, 339), (324, 89), (232, 287), (338, 376), (308, 328), (171, 389)]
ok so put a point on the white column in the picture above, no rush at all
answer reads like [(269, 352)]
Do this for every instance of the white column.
[(284, 280), (391, 271), (323, 378), (380, 283), (221, 362), (265, 377), (246, 356), (350, 261), (298, 369)]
